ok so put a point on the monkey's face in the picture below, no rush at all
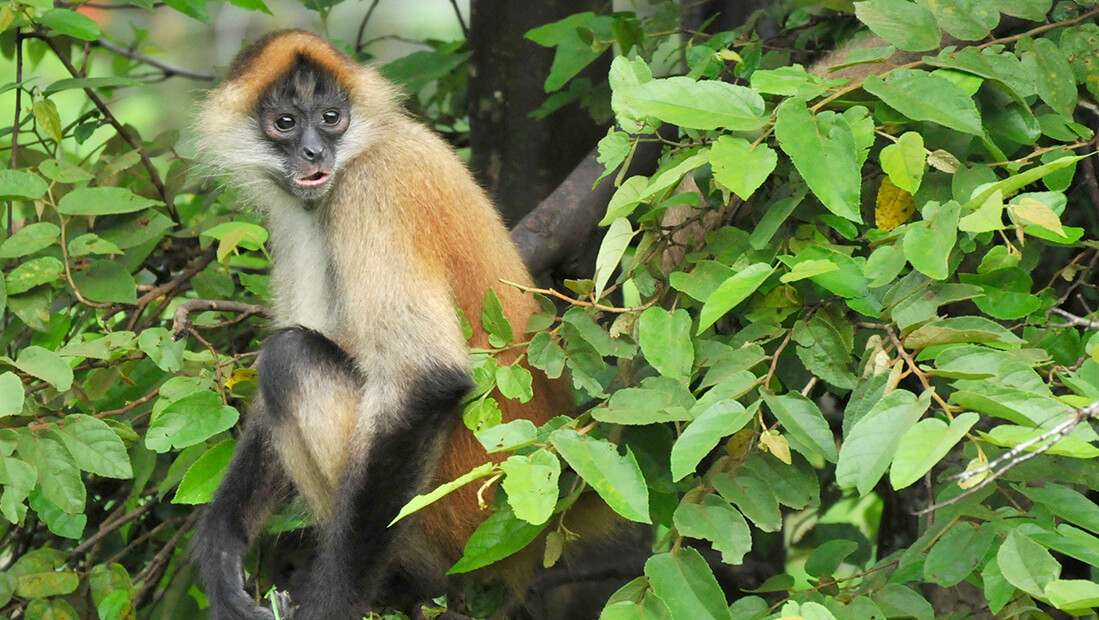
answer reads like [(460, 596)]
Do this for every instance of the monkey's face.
[(304, 115)]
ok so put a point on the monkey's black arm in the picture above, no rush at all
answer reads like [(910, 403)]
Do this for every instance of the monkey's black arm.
[(241, 505), (356, 546)]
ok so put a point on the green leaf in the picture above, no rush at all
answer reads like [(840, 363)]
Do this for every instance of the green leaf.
[(494, 322), (741, 166), (927, 244), (922, 96), (204, 476), (897, 601), (572, 54), (1019, 181), (708, 104), (42, 585), (531, 485), (685, 583), (825, 559), (501, 535), (11, 394), (808, 269), (1033, 10), (720, 420), (802, 419), (18, 478), (510, 436), (1069, 504), (102, 201), (718, 522), (481, 471), (613, 150), (1073, 594), (796, 486), (824, 151), (95, 447), (162, 348), (1053, 76), (544, 353), (515, 382), (68, 173), (1026, 564), (924, 445), (665, 339), (21, 185), (47, 366), (753, 497), (731, 292), (91, 243), (870, 446), (616, 477), (29, 239), (904, 161), (106, 281), (660, 399), (968, 20), (610, 254), (190, 8), (989, 216), (190, 420), (904, 24), (36, 271), (70, 23), (968, 329), (959, 552), (58, 521), (57, 473)]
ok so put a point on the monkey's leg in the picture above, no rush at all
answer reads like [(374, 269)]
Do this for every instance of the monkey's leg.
[(241, 505), (400, 451)]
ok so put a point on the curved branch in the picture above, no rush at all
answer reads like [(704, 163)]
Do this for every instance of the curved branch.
[(167, 69)]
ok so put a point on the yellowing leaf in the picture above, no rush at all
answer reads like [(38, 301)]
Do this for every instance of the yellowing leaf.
[(240, 375), (1033, 212), (776, 444), (894, 206), (45, 112)]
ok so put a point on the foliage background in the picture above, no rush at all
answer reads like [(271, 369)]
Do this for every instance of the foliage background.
[(836, 342)]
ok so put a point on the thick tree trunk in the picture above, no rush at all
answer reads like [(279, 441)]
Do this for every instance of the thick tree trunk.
[(520, 160)]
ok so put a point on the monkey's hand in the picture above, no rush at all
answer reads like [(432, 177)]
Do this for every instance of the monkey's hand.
[(284, 607)]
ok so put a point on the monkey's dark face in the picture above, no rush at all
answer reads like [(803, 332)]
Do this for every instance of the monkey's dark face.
[(304, 115)]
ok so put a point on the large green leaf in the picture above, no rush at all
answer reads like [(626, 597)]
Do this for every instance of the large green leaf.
[(686, 584), (501, 535), (616, 477), (732, 291), (1026, 564), (21, 185), (531, 485), (708, 104), (703, 434), (204, 476), (665, 339), (102, 201), (904, 24), (190, 420), (718, 522), (922, 96), (872, 443), (94, 446), (740, 166), (802, 419), (824, 151), (924, 445), (928, 243)]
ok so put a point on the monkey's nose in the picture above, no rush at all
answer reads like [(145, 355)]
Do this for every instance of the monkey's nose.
[(312, 153)]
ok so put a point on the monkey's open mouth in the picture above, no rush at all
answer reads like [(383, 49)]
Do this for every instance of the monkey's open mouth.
[(314, 179)]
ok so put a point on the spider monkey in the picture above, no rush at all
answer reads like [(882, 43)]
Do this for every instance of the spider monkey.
[(377, 233)]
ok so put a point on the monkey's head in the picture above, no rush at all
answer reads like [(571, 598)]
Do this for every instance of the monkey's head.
[(292, 111)]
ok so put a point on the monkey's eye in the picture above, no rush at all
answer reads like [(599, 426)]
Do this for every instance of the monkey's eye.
[(284, 122), (331, 117)]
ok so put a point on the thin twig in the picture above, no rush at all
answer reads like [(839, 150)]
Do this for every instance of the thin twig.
[(167, 69), (1075, 320), (181, 322), (359, 44), (151, 574), (461, 22), (1015, 456), (578, 302), (135, 144), (110, 526)]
